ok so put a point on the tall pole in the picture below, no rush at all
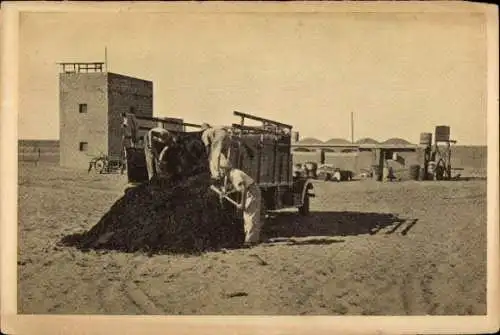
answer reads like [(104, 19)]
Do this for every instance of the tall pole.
[(352, 127), (106, 58)]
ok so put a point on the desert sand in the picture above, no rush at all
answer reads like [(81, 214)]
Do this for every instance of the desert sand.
[(368, 248)]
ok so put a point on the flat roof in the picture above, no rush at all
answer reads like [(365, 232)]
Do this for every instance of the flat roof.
[(361, 146)]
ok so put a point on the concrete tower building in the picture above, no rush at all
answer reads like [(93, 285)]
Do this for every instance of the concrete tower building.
[(91, 104)]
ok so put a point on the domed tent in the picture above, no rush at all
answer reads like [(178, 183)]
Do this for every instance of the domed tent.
[(396, 141), (337, 141), (309, 141), (367, 140)]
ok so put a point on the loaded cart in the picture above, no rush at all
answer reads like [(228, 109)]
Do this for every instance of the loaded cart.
[(264, 153)]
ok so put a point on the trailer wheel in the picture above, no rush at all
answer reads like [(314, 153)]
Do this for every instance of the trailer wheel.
[(304, 209)]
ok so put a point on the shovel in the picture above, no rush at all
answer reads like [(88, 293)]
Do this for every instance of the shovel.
[(223, 195)]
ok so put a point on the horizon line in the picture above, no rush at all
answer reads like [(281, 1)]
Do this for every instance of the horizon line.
[(297, 143)]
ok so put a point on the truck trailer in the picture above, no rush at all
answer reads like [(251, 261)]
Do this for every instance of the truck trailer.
[(262, 151)]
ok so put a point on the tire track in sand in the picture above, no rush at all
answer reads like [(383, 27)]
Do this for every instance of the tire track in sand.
[(416, 294), (138, 295), (112, 298), (124, 292)]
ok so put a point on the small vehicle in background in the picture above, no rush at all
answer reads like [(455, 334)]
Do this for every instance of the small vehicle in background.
[(345, 175), (365, 174), (328, 172), (311, 170)]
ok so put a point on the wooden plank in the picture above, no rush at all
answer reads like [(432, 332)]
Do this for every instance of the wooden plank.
[(75, 63), (171, 121), (253, 128), (275, 162), (274, 184), (257, 118), (259, 162)]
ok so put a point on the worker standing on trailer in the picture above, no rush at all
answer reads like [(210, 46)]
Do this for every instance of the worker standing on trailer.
[(129, 135), (129, 130), (251, 201), (156, 143), (217, 141)]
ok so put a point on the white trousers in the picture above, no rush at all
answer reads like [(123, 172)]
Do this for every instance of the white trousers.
[(252, 215), (150, 162)]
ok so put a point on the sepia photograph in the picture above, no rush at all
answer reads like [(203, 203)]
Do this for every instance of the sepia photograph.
[(250, 160)]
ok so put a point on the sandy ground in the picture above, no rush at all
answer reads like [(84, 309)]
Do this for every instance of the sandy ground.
[(368, 248)]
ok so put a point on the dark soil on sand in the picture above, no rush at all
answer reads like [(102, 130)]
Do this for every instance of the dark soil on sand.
[(182, 216), (178, 213), (431, 260)]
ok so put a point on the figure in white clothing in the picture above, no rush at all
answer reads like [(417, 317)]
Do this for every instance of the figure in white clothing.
[(250, 201), (217, 142), (157, 142), (337, 176)]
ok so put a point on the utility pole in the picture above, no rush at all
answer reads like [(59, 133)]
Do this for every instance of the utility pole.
[(352, 127), (106, 58)]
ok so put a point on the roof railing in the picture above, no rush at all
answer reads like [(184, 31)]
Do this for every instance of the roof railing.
[(81, 67)]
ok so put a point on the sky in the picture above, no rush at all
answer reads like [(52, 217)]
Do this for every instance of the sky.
[(400, 74)]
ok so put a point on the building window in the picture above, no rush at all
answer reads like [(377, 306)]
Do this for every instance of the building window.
[(84, 146), (132, 110), (82, 108)]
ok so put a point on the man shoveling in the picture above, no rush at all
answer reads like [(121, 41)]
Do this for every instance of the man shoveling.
[(156, 143), (251, 200)]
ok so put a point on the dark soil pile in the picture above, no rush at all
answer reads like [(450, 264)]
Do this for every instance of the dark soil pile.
[(181, 217), (181, 214)]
